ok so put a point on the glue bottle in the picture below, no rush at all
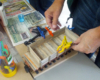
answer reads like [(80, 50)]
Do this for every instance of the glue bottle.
[(2, 15)]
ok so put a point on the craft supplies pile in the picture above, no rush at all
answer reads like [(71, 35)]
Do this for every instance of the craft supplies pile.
[(8, 67)]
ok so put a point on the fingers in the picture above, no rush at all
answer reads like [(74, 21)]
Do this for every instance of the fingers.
[(81, 46), (78, 40), (48, 19), (52, 20), (59, 23), (55, 21)]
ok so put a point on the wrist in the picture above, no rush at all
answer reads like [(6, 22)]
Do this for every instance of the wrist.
[(97, 30)]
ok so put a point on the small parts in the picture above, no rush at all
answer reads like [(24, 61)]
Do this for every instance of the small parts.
[(41, 32), (50, 32)]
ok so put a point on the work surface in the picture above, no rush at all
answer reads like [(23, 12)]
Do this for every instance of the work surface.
[(78, 67)]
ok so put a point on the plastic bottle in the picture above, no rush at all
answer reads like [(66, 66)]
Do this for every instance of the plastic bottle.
[(8, 67), (1, 35), (2, 15)]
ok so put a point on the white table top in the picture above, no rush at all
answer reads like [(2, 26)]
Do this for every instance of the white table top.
[(79, 67)]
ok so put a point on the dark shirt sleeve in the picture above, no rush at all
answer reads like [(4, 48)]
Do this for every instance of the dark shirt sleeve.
[(97, 17)]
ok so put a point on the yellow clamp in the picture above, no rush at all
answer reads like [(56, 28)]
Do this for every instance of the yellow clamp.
[(7, 67), (64, 45)]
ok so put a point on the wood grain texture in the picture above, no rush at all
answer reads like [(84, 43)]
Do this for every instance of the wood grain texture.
[(49, 47)]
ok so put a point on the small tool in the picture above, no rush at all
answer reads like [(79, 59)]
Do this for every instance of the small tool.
[(64, 45), (8, 68), (70, 28), (50, 32), (27, 69), (41, 32), (4, 51), (38, 34)]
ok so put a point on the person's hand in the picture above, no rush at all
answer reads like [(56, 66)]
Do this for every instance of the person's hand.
[(88, 42), (53, 13)]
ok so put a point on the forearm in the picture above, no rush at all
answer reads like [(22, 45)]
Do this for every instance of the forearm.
[(60, 2)]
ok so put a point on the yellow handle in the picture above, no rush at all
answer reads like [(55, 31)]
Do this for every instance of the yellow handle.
[(64, 45), (7, 67)]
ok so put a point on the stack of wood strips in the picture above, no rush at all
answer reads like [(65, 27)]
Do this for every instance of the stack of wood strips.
[(44, 51)]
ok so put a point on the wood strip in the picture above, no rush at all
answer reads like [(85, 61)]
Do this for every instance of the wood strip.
[(71, 34), (30, 61), (57, 41), (53, 44), (49, 47), (42, 55), (34, 55), (33, 60), (43, 51), (46, 50), (58, 62)]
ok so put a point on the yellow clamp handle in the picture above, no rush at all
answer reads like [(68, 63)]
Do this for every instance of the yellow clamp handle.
[(7, 67), (64, 45)]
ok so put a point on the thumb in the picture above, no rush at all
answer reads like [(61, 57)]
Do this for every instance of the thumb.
[(76, 44), (78, 40)]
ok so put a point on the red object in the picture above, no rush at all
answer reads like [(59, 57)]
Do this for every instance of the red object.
[(50, 32), (6, 47)]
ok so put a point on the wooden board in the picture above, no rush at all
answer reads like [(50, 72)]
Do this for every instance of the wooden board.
[(46, 49), (58, 62)]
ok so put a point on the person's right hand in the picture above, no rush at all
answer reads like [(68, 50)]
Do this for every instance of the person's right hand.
[(53, 13)]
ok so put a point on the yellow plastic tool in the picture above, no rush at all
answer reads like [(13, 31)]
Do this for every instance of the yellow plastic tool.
[(7, 67), (64, 45), (12, 73)]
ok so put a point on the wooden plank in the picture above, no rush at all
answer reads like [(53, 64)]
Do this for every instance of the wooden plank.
[(49, 47), (34, 55), (58, 62), (33, 60), (33, 66), (71, 34), (40, 54), (46, 50), (62, 37), (53, 44), (48, 37), (57, 41), (42, 51)]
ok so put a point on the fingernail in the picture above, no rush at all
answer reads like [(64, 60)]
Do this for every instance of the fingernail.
[(54, 26)]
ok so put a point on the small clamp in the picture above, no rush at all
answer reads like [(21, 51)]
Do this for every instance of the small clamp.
[(41, 32), (50, 32), (38, 34), (70, 28), (4, 51), (64, 45)]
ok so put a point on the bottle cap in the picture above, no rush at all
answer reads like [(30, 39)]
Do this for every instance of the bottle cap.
[(0, 4)]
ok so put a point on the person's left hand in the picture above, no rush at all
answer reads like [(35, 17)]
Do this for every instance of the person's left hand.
[(88, 42)]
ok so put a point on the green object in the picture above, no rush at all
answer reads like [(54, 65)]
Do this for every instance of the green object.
[(4, 51)]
